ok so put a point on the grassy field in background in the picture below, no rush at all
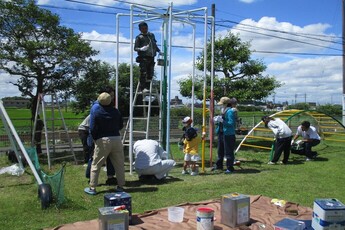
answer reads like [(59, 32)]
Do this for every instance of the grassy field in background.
[(299, 181)]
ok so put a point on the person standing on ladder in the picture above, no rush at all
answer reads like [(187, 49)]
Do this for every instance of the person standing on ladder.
[(146, 47)]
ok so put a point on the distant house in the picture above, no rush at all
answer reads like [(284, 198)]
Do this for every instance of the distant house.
[(176, 102), (16, 103)]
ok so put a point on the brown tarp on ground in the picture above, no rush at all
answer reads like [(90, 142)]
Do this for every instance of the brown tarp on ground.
[(263, 214)]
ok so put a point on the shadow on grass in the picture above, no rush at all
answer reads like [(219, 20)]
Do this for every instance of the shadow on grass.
[(152, 181)]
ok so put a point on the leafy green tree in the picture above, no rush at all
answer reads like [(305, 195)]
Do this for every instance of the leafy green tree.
[(87, 88), (102, 74), (46, 56), (301, 106), (332, 110), (243, 76)]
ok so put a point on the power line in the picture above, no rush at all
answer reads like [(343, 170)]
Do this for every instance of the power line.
[(196, 21), (285, 32), (254, 51)]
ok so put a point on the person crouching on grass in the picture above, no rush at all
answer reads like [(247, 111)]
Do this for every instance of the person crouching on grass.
[(190, 149)]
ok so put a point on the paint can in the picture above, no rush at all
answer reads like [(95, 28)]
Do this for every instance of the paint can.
[(204, 218)]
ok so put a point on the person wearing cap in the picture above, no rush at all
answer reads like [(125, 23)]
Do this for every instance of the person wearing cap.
[(146, 47), (111, 180), (225, 129), (310, 139), (151, 160), (190, 150), (105, 125), (282, 136), (187, 123)]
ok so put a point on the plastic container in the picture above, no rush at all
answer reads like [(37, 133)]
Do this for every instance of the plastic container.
[(175, 214), (205, 218)]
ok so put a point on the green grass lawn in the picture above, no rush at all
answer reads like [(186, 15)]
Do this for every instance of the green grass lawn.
[(299, 181)]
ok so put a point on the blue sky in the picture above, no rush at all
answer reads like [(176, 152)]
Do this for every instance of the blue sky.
[(298, 40)]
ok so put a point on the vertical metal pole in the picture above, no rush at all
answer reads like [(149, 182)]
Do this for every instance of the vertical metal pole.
[(169, 79), (164, 88), (131, 95), (160, 126), (117, 61), (343, 42), (193, 76), (204, 95), (212, 76)]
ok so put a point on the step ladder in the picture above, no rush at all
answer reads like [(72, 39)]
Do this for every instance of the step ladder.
[(141, 131), (55, 139)]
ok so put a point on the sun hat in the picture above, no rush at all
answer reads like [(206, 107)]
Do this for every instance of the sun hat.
[(224, 101), (187, 120), (104, 99)]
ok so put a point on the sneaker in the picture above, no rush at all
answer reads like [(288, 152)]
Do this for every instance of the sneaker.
[(194, 173), (146, 91), (237, 163), (90, 191), (119, 189), (111, 181), (282, 163), (228, 171), (308, 159), (184, 172), (271, 163)]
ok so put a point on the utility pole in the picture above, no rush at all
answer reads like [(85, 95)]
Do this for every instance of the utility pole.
[(343, 42)]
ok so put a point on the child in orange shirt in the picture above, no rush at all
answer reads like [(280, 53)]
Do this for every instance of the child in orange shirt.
[(190, 149)]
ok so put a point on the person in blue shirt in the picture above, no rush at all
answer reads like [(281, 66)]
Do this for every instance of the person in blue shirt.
[(105, 124), (225, 128), (111, 179)]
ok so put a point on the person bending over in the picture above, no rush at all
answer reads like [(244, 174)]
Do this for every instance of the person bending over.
[(310, 138)]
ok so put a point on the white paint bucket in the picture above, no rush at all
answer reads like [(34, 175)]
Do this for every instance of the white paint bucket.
[(205, 218)]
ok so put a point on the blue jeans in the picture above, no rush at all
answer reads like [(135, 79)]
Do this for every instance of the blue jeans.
[(226, 146), (229, 146)]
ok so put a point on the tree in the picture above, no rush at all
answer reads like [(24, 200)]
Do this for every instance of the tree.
[(243, 76), (88, 87), (102, 74), (47, 57)]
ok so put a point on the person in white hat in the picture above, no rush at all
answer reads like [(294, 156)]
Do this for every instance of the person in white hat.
[(226, 136), (187, 123)]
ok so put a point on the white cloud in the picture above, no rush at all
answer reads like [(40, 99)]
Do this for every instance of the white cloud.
[(309, 78), (270, 34), (6, 88), (247, 1)]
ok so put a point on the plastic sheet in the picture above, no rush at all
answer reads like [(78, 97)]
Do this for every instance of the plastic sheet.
[(14, 170)]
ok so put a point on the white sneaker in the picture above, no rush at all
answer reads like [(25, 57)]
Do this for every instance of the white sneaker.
[(194, 173), (146, 91), (184, 172), (271, 163)]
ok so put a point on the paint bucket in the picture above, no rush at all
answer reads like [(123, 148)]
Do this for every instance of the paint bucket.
[(204, 218)]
